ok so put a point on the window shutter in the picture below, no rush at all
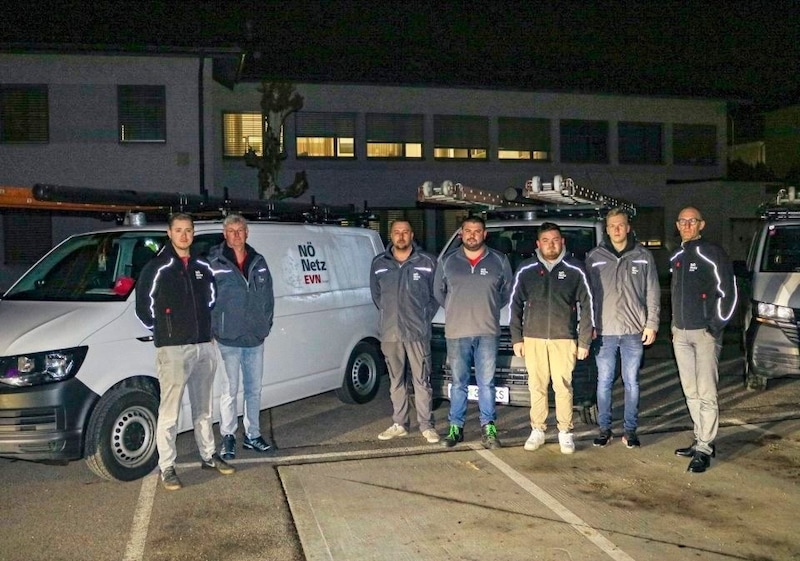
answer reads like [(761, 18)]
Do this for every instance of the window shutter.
[(460, 131), (142, 113), (523, 134), (325, 125), (392, 127)]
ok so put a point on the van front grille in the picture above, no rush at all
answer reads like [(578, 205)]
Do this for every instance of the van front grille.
[(27, 420)]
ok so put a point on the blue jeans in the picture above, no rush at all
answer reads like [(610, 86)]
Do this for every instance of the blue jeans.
[(463, 353), (251, 362), (630, 350)]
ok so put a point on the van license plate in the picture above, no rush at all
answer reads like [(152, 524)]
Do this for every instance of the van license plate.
[(500, 393)]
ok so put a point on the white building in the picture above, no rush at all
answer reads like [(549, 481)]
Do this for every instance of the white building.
[(165, 122)]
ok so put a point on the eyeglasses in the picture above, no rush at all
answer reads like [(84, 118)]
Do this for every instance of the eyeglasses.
[(688, 221)]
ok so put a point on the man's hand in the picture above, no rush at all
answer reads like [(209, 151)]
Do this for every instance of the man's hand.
[(519, 349), (648, 336), (583, 354)]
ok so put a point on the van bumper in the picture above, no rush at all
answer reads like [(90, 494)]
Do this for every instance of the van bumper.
[(45, 422), (773, 350)]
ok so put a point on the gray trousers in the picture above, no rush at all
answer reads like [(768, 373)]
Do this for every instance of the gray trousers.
[(418, 354), (182, 367), (697, 354)]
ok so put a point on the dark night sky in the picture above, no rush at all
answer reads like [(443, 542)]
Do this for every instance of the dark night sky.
[(737, 50)]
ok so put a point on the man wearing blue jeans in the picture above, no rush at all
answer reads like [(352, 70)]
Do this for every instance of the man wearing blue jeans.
[(624, 282), (242, 319), (473, 284)]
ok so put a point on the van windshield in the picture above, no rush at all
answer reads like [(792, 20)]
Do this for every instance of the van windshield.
[(99, 267), (782, 250), (519, 242)]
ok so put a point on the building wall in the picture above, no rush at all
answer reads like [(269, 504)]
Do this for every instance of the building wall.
[(394, 183)]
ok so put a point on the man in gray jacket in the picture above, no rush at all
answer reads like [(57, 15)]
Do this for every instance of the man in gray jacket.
[(473, 283), (401, 282), (624, 281), (242, 319)]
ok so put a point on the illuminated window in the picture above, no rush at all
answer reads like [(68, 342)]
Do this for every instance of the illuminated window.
[(394, 135), (24, 114), (142, 112), (523, 139), (460, 137), (694, 145), (325, 135), (640, 143), (241, 131), (584, 141)]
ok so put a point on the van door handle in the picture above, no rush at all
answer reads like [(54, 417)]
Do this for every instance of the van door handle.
[(145, 339)]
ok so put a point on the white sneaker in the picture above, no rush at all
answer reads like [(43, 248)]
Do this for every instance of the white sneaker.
[(431, 436), (566, 442), (535, 440), (391, 432)]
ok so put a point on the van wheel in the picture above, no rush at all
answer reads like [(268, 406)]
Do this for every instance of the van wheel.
[(121, 437), (363, 375), (753, 381)]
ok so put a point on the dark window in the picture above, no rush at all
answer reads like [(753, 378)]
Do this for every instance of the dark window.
[(584, 141), (391, 135), (694, 145), (460, 137), (325, 135), (523, 139), (142, 113), (24, 115), (640, 143)]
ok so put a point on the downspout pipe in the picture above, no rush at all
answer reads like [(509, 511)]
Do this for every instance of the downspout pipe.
[(201, 136)]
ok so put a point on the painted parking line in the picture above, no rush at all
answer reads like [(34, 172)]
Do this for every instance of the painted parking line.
[(603, 543), (134, 550)]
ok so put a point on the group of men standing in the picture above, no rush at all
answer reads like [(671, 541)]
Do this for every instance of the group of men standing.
[(559, 306)]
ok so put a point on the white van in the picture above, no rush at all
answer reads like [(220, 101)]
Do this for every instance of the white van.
[(77, 368), (770, 282)]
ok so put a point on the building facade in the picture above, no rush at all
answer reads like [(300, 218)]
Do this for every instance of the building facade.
[(164, 123)]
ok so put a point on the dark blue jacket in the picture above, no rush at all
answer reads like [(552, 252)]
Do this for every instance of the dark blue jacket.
[(245, 303)]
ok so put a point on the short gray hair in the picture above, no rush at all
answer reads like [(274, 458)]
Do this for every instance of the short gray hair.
[(234, 218)]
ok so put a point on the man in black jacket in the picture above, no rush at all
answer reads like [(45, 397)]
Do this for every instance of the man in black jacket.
[(703, 301), (174, 296), (551, 327), (402, 289)]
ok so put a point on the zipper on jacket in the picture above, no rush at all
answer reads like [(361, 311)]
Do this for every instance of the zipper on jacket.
[(168, 314)]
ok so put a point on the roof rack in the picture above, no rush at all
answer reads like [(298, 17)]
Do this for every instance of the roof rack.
[(785, 206), (536, 196), (116, 204)]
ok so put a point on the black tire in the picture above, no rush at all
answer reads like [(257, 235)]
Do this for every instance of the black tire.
[(362, 378), (588, 414), (121, 437), (753, 381)]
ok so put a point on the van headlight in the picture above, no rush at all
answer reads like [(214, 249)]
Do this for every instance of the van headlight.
[(773, 312), (46, 367)]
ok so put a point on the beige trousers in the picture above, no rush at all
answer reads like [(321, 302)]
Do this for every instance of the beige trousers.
[(546, 360)]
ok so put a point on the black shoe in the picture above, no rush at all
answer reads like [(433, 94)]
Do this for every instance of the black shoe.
[(169, 480), (258, 444), (217, 463), (631, 440), (604, 438), (453, 437), (489, 438), (228, 449), (700, 462), (689, 451)]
